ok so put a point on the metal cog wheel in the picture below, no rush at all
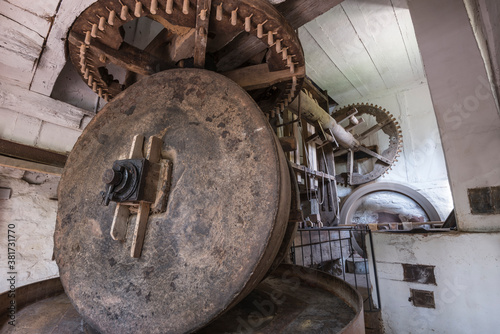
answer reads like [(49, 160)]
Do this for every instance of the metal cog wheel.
[(382, 161), (225, 35)]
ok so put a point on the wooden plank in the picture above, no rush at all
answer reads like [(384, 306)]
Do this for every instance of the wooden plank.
[(155, 145), (29, 166), (16, 68), (238, 51), (259, 76), (45, 8), (203, 8), (53, 57), (140, 229), (120, 222), (30, 153), (324, 72), (378, 29), (17, 38), (136, 149), (299, 12), (408, 33), (314, 173), (42, 107), (40, 25), (339, 39)]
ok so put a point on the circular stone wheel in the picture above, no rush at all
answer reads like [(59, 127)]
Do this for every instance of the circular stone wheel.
[(226, 215)]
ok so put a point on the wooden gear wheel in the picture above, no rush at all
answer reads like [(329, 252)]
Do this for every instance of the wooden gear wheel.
[(382, 161), (223, 35)]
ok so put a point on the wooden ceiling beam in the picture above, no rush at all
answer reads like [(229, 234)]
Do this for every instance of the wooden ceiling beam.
[(299, 12)]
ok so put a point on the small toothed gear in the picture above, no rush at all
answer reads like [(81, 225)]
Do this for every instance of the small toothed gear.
[(96, 39), (383, 161)]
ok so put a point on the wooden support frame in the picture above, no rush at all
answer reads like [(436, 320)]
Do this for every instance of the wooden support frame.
[(201, 36), (32, 154)]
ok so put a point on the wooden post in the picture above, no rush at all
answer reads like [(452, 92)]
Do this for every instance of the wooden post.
[(201, 36)]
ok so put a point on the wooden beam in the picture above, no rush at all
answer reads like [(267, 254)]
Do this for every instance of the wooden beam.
[(238, 51), (33, 154), (299, 12), (259, 76), (201, 37), (36, 105), (29, 166)]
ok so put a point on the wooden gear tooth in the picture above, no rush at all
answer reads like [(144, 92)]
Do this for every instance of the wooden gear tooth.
[(106, 97), (94, 87), (154, 7), (86, 74), (169, 7), (278, 45), (285, 53), (88, 37), (219, 12), (248, 23), (99, 92), (203, 14), (270, 38), (260, 29), (185, 7), (234, 16), (124, 12), (138, 9), (102, 23), (111, 17), (90, 80)]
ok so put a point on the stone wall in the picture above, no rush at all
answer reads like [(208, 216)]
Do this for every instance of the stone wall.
[(32, 209)]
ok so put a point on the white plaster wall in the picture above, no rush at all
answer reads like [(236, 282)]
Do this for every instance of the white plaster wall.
[(466, 293), (465, 106), (32, 208)]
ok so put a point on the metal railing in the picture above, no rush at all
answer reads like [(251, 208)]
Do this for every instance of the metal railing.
[(341, 251)]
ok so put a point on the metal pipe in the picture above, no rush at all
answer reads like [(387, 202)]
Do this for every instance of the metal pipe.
[(310, 110)]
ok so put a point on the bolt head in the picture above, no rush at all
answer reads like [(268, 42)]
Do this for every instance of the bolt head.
[(111, 176)]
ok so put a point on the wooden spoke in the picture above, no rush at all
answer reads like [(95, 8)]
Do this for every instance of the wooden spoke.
[(128, 56), (373, 129), (375, 155)]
